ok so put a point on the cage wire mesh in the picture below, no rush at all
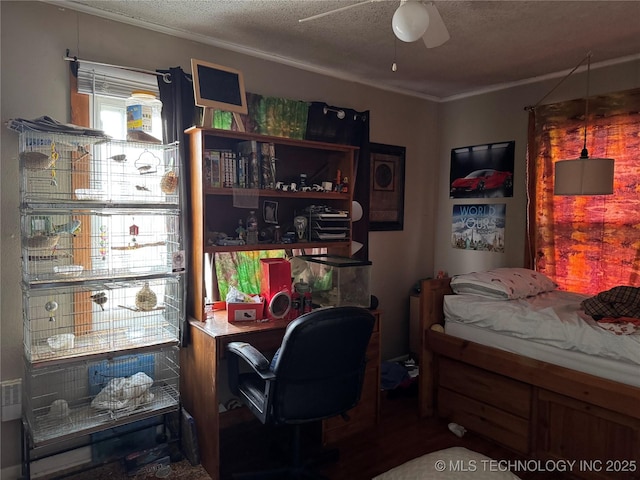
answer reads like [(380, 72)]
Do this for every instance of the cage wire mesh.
[(70, 322), (69, 399), (84, 244), (59, 168)]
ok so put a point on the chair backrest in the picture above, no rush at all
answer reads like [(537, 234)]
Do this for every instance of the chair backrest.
[(320, 367)]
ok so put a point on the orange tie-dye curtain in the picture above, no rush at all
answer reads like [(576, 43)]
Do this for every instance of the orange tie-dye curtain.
[(586, 243)]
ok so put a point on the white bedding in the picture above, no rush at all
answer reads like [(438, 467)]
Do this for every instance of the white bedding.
[(456, 463), (554, 321)]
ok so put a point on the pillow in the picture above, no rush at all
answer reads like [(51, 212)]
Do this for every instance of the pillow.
[(455, 463), (503, 283)]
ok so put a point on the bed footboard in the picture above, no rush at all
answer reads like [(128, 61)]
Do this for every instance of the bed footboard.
[(432, 292), (538, 409)]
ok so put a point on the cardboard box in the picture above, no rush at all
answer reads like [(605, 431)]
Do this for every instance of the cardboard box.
[(245, 312)]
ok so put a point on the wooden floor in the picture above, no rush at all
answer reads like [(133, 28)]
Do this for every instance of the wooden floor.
[(400, 436)]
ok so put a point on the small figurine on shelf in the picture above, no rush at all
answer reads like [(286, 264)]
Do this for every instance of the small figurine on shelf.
[(344, 188), (300, 224), (252, 228), (241, 231)]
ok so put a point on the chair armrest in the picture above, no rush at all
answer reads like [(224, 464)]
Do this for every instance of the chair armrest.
[(253, 357)]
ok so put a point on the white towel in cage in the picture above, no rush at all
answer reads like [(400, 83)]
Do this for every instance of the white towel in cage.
[(124, 393)]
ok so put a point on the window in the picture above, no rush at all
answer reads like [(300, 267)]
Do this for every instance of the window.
[(588, 243), (107, 90)]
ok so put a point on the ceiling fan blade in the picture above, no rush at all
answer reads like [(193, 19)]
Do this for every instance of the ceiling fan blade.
[(437, 33), (331, 12)]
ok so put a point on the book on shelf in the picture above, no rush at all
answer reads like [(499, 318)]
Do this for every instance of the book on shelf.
[(268, 165), (248, 151), (212, 168), (229, 168), (242, 167)]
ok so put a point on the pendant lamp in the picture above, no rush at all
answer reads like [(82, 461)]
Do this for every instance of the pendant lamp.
[(584, 175)]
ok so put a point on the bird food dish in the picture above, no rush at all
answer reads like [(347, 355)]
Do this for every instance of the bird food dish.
[(90, 194), (68, 270)]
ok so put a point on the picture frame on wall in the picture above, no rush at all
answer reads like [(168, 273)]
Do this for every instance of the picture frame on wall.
[(482, 171), (386, 203)]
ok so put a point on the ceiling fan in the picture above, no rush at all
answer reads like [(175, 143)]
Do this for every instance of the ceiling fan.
[(412, 20)]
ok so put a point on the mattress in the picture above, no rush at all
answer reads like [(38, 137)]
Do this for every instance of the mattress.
[(549, 327), (455, 463)]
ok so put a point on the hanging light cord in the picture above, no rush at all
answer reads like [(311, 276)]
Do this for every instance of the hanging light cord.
[(585, 153), (588, 57)]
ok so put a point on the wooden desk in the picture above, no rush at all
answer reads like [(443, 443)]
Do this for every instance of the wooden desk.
[(199, 368)]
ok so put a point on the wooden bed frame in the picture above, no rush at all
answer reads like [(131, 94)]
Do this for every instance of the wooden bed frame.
[(538, 409)]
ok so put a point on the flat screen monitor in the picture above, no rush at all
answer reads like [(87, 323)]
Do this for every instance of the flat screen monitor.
[(218, 87)]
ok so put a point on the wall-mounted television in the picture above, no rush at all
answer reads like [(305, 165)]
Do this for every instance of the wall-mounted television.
[(218, 87)]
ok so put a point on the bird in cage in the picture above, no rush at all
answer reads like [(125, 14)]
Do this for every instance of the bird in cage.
[(72, 227), (99, 298)]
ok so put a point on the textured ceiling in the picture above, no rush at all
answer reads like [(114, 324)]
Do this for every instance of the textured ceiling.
[(492, 42)]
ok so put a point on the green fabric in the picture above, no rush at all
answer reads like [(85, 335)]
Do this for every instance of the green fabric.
[(242, 270), (279, 117)]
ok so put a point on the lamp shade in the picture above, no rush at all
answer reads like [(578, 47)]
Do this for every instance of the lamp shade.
[(356, 211), (584, 176), (410, 21)]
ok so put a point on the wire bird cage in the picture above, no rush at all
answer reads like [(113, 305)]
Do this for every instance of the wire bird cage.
[(58, 168), (79, 244), (66, 322), (66, 400)]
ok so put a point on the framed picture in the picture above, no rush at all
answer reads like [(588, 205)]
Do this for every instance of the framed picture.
[(386, 204), (270, 212), (218, 87), (482, 171)]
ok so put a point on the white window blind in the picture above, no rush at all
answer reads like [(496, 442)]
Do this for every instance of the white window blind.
[(113, 82)]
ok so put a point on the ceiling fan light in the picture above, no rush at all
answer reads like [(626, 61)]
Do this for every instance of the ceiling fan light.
[(410, 21)]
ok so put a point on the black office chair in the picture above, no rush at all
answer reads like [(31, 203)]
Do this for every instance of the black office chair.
[(318, 373)]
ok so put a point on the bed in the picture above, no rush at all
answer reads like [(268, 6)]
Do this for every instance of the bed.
[(549, 391)]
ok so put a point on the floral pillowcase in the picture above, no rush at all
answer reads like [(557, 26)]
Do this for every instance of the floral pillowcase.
[(503, 283)]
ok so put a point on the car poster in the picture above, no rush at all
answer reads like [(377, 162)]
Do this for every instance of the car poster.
[(482, 171), (478, 227)]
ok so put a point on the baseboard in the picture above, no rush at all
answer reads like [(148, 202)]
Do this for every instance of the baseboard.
[(62, 461), (401, 358), (11, 473)]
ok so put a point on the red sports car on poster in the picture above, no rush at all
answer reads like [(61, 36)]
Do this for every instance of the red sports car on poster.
[(481, 180)]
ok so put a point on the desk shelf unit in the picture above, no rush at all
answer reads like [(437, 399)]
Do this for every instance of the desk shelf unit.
[(216, 208), (100, 229)]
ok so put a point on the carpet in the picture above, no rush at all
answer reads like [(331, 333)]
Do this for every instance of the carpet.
[(182, 470)]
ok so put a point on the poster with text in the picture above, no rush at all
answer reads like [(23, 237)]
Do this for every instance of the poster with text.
[(478, 227)]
